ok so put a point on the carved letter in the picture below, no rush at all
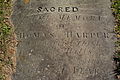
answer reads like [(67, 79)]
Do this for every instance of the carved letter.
[(75, 9)]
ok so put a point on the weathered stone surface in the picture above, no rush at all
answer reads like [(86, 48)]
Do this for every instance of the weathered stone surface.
[(64, 40)]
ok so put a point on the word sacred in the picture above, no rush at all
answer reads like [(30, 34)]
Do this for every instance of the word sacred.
[(57, 9)]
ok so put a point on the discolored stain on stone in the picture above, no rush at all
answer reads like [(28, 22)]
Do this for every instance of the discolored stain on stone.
[(26, 1)]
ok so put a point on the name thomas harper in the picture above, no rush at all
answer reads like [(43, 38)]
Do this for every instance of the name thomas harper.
[(57, 9)]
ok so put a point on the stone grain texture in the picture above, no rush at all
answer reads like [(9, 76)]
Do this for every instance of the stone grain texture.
[(64, 45)]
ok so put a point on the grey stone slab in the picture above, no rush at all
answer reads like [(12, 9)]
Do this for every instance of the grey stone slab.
[(64, 40)]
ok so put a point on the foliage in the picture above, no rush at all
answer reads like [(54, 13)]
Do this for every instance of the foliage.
[(116, 13), (6, 39)]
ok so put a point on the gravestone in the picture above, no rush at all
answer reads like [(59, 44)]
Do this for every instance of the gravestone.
[(64, 40)]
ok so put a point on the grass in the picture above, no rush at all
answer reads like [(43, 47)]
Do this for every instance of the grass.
[(7, 41), (116, 13)]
